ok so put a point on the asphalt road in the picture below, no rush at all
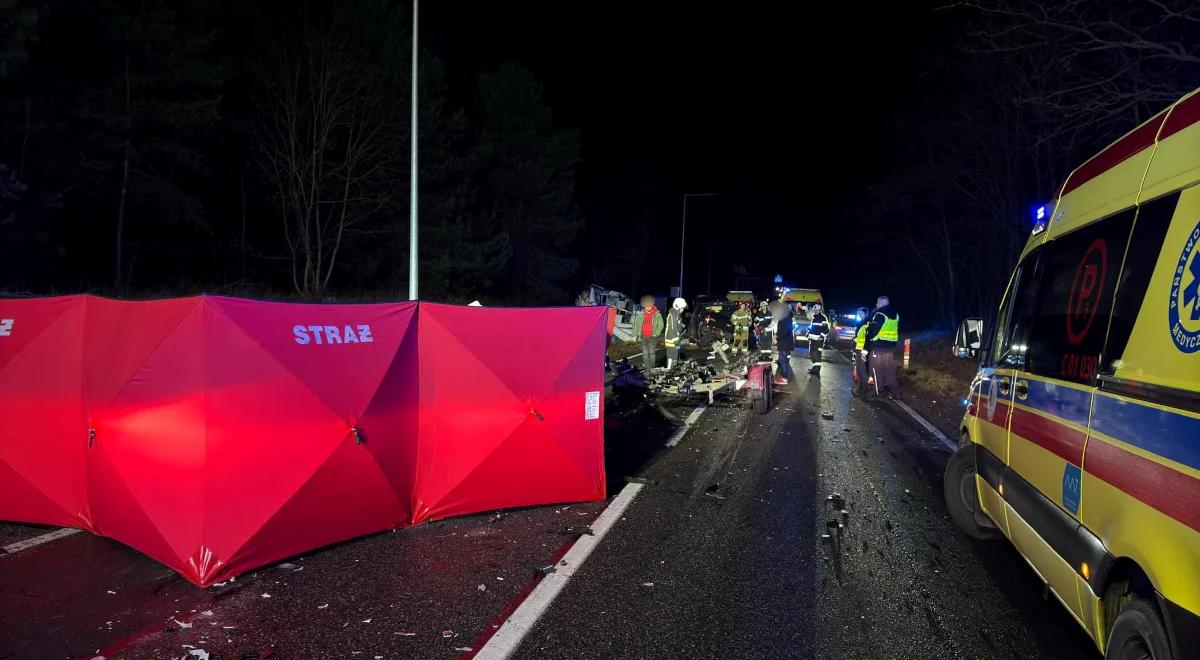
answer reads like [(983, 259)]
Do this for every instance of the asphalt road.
[(752, 574), (723, 554)]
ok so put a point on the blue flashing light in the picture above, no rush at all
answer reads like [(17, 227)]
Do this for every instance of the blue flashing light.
[(966, 402), (779, 279), (1040, 214)]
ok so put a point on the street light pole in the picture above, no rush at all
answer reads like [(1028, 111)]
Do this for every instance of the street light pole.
[(412, 166), (683, 234)]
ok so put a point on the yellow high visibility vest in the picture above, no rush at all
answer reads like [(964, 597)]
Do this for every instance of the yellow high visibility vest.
[(890, 330), (860, 337)]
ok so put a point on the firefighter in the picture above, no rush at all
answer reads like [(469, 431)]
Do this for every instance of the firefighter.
[(741, 328), (785, 341), (674, 333), (762, 325), (818, 329), (860, 350), (883, 333), (648, 323)]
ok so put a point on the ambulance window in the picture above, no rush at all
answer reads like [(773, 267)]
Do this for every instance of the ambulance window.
[(1008, 345), (1149, 230), (1070, 319)]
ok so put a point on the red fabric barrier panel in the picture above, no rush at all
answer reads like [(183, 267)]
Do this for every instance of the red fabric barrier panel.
[(217, 434), (504, 408)]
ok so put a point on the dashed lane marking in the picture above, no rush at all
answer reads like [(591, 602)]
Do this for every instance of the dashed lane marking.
[(687, 425), (510, 633), (38, 540)]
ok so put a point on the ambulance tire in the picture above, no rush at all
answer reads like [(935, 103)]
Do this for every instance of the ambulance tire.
[(1138, 633), (962, 499)]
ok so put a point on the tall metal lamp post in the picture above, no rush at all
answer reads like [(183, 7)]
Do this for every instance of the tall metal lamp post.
[(412, 177)]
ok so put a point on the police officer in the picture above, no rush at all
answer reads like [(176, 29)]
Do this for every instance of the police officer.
[(883, 333), (674, 333), (861, 373), (741, 320)]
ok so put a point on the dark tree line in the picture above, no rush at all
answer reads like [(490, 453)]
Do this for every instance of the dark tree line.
[(1029, 90), (151, 146)]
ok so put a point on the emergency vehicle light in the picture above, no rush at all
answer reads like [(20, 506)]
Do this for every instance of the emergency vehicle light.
[(1039, 219)]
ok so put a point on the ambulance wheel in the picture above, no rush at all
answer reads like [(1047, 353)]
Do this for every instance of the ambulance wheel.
[(962, 498), (1138, 634)]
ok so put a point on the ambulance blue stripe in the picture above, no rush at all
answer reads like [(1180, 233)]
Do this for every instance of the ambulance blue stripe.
[(1170, 435), (1058, 401)]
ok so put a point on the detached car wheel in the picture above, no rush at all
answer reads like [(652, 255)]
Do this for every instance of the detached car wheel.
[(962, 499), (1138, 634), (762, 404)]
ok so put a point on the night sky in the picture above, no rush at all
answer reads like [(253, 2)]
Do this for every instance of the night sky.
[(786, 112)]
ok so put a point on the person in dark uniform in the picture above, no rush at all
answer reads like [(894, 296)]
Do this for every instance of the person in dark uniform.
[(883, 333), (763, 327), (785, 341)]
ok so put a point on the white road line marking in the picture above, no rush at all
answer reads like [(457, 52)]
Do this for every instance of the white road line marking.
[(928, 427), (38, 540), (510, 634), (687, 424)]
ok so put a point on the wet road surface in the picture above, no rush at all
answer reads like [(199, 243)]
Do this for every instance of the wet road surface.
[(723, 554), (753, 574)]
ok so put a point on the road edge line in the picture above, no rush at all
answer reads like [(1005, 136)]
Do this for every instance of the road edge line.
[(928, 427), (13, 548), (687, 425), (512, 632)]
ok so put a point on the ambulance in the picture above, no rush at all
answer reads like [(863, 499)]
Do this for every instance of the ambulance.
[(1081, 439)]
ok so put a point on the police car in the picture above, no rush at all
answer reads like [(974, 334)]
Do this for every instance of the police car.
[(1081, 440)]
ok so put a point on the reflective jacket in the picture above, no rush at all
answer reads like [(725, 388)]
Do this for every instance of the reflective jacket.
[(883, 331), (763, 322), (819, 325), (741, 320), (674, 329), (860, 338)]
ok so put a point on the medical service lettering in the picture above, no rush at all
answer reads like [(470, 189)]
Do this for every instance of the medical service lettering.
[(332, 334), (1183, 309)]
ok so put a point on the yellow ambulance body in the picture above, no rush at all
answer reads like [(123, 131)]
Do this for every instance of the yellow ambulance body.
[(1081, 442)]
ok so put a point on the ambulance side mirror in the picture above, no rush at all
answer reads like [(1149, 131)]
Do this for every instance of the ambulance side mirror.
[(967, 339)]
